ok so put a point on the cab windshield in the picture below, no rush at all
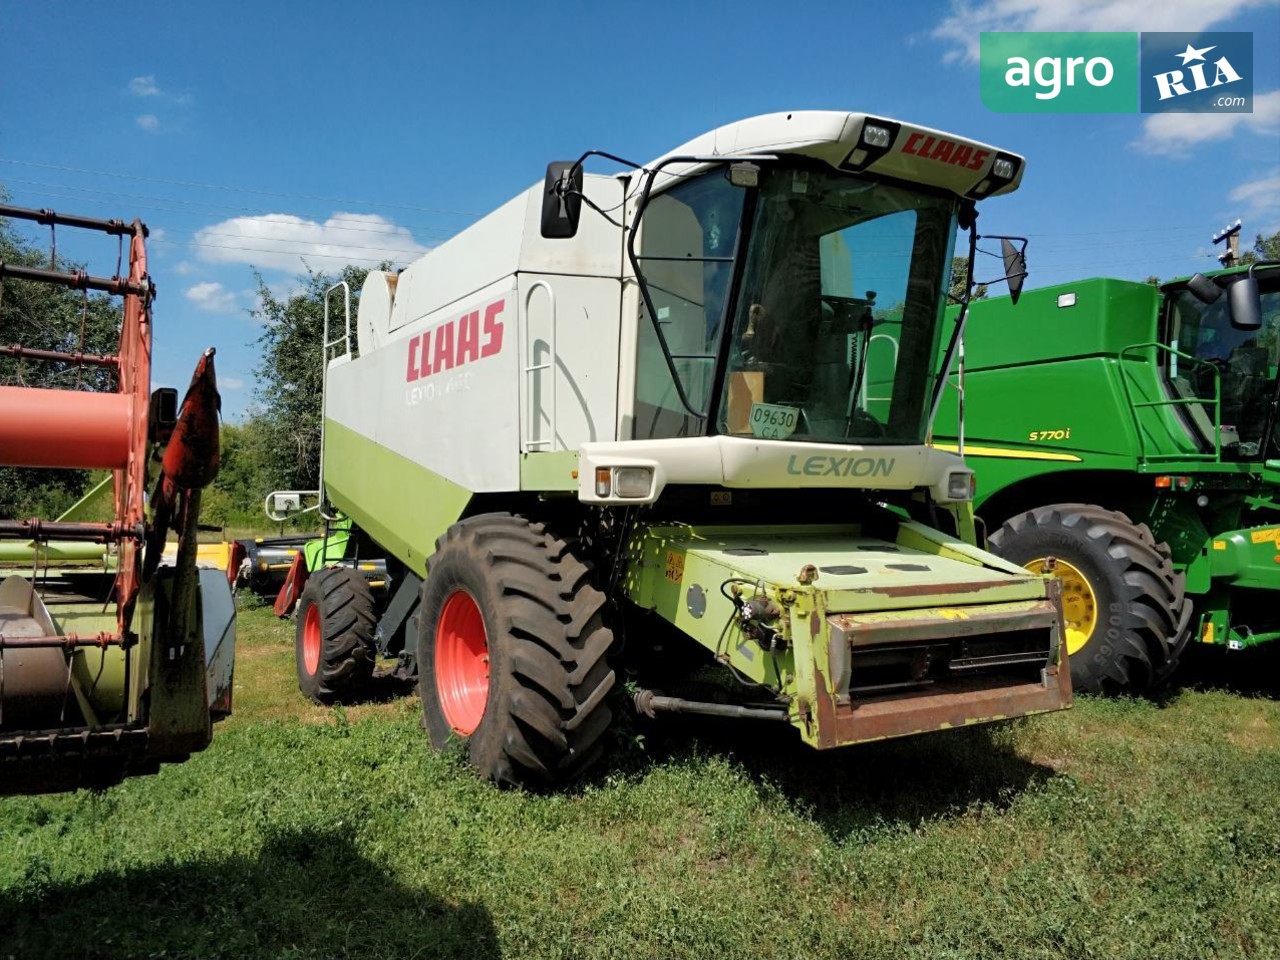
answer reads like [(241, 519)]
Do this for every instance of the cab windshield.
[(806, 309), (1245, 362), (836, 324)]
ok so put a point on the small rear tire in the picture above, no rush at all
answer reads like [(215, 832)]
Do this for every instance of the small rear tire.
[(512, 652), (334, 649), (1127, 615)]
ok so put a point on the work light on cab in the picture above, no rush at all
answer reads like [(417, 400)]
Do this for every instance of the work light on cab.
[(875, 136)]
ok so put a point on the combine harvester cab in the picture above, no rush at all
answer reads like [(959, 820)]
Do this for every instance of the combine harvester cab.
[(1155, 485), (673, 422), (110, 662)]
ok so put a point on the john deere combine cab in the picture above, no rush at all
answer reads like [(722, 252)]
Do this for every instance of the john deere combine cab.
[(627, 419), (1126, 440)]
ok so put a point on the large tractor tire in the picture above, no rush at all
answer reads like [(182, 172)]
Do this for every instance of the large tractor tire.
[(1127, 614), (334, 647), (512, 652)]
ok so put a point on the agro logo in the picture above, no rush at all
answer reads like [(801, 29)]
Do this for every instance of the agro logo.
[(1174, 83), (455, 342), (944, 151)]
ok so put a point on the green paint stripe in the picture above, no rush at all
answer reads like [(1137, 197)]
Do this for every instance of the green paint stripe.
[(402, 505), (550, 470)]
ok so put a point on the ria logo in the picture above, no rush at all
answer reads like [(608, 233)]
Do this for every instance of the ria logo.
[(1173, 83), (1197, 72)]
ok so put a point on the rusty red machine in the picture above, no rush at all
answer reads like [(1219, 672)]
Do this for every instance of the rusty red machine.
[(113, 659)]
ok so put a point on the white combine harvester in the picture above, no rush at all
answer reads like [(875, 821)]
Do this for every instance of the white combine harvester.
[(689, 419)]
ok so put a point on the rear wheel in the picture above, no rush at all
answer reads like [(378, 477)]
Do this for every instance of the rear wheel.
[(334, 649), (1126, 613), (512, 652)]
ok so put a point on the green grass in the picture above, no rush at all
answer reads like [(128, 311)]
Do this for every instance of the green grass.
[(1119, 829)]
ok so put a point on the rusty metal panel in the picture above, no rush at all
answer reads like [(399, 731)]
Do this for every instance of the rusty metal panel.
[(961, 703), (940, 623)]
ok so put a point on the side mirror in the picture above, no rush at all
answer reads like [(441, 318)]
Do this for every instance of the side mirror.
[(1246, 303), (162, 414), (561, 200), (285, 503), (1204, 289), (1015, 267)]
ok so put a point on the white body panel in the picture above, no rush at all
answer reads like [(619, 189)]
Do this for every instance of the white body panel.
[(581, 402), (744, 462), (470, 418), (457, 417)]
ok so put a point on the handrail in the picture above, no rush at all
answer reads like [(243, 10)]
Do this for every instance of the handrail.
[(1134, 406), (532, 367), (345, 340)]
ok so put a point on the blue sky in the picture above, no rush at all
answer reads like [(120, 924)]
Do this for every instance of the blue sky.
[(251, 135)]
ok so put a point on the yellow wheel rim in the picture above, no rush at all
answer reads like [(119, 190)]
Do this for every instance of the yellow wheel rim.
[(1079, 603)]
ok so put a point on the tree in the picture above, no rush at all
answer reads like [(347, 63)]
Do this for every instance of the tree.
[(244, 476), (1152, 280), (959, 275), (1264, 248), (290, 376), (48, 317)]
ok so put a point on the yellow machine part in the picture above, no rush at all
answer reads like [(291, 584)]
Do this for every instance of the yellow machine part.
[(1079, 602)]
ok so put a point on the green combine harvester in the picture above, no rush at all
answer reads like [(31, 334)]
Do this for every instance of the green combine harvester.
[(1126, 440)]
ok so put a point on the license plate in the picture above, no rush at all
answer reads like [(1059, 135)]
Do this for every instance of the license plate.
[(772, 421)]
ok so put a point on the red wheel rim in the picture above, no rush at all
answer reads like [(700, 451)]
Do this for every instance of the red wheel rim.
[(311, 639), (462, 662)]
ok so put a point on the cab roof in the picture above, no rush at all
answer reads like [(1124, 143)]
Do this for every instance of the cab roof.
[(890, 148)]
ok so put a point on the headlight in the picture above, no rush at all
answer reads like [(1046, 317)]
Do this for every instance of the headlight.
[(632, 483), (1002, 168), (875, 136), (960, 486)]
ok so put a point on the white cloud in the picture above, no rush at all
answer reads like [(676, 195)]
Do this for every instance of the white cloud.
[(1259, 201), (962, 27), (211, 296), (185, 268), (282, 241), (230, 383), (1175, 133), (149, 121), (144, 86)]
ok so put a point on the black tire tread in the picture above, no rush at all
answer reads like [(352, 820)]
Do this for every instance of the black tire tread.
[(348, 651), (1159, 612), (550, 616)]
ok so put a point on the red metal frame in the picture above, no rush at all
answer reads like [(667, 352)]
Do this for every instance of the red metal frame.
[(71, 428)]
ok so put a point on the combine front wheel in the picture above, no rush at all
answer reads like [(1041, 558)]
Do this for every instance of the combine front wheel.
[(333, 646), (511, 652), (1126, 612)]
